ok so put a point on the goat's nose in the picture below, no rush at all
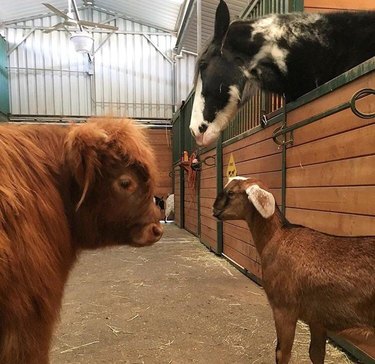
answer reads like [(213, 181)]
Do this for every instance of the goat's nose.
[(216, 213)]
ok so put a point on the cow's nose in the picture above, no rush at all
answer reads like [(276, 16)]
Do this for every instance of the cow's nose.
[(157, 231)]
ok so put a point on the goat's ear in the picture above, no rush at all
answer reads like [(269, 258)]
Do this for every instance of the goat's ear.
[(222, 18), (82, 147), (262, 200)]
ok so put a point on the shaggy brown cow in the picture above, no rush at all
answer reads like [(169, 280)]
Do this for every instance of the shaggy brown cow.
[(64, 189)]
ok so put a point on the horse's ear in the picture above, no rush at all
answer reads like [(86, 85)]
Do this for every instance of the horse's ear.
[(222, 18)]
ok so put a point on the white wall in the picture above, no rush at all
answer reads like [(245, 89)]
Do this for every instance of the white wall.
[(128, 76)]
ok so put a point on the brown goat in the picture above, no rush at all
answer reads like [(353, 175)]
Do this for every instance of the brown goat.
[(326, 281), (63, 189)]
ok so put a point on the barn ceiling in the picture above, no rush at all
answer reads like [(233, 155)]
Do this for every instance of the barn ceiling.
[(176, 16)]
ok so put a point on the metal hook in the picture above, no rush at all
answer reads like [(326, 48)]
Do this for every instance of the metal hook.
[(278, 132), (209, 164), (359, 94)]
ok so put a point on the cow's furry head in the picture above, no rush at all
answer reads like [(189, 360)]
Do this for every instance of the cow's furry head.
[(114, 174)]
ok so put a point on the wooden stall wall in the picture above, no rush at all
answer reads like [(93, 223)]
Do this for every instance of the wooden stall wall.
[(257, 156), (160, 139), (177, 197), (190, 206), (330, 176), (330, 167), (337, 5), (208, 229)]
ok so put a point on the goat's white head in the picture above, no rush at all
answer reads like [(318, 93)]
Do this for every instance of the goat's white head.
[(239, 196)]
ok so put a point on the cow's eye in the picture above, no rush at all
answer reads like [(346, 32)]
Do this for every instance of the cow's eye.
[(125, 183)]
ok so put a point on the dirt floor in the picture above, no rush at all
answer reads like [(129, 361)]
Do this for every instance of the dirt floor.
[(174, 302)]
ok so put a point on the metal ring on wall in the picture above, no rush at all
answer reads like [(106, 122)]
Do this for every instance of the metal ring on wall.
[(359, 94)]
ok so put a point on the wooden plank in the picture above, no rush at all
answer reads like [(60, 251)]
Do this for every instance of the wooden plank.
[(261, 164), (254, 151), (247, 250), (340, 4), (238, 233), (356, 200), (332, 99), (209, 234), (252, 139), (333, 223), (243, 261), (208, 222), (336, 123), (350, 172), (354, 143)]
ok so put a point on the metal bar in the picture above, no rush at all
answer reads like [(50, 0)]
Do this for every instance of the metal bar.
[(184, 24), (199, 25), (101, 44), (21, 41), (157, 48), (283, 162), (310, 120), (219, 188)]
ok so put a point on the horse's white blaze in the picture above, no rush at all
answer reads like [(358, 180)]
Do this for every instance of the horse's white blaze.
[(223, 117), (197, 112)]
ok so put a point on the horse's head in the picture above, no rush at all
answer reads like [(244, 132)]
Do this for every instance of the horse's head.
[(221, 84)]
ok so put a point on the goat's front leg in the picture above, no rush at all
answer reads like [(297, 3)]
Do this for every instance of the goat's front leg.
[(285, 322), (317, 343)]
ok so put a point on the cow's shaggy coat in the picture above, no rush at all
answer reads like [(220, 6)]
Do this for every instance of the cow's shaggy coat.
[(63, 189), (283, 53)]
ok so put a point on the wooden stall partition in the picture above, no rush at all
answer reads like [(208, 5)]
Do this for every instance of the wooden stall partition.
[(337, 5), (257, 156), (160, 140), (208, 224), (190, 206), (330, 169), (177, 197)]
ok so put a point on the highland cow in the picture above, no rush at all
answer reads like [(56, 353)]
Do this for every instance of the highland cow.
[(64, 189)]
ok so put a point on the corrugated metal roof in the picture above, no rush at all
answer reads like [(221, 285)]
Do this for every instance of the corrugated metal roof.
[(162, 14), (189, 39)]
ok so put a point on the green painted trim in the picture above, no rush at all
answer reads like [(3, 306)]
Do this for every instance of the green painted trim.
[(219, 188), (314, 118), (296, 5), (283, 163), (352, 349), (277, 118), (199, 204)]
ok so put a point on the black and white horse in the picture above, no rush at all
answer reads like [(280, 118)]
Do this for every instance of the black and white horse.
[(285, 53)]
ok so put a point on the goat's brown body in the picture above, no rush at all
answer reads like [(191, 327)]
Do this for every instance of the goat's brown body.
[(329, 279), (40, 230)]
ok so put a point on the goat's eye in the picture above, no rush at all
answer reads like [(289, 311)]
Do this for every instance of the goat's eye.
[(125, 183)]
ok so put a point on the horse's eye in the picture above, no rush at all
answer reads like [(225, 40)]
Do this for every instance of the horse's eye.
[(202, 66), (230, 194)]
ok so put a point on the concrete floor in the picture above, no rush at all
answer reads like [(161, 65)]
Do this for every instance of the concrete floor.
[(174, 302)]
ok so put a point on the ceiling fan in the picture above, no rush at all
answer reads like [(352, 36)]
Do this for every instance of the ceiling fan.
[(73, 21)]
